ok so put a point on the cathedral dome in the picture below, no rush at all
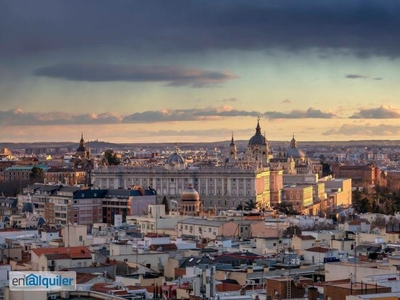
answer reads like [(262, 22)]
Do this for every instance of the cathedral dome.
[(190, 194), (295, 153), (28, 207), (175, 159), (82, 146), (258, 138)]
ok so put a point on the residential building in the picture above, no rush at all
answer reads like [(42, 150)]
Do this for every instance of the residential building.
[(46, 259), (301, 242), (206, 228), (126, 202), (339, 191), (67, 176), (21, 172), (361, 175), (156, 220), (299, 197)]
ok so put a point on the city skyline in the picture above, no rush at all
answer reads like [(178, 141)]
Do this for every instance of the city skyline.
[(139, 71)]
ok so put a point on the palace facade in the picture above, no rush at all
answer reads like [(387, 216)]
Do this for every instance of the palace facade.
[(220, 187)]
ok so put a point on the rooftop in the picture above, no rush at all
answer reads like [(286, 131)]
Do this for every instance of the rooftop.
[(72, 252)]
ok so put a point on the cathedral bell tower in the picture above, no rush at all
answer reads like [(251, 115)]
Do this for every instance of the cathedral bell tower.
[(232, 150)]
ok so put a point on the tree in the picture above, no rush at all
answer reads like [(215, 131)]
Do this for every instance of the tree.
[(389, 208), (292, 230), (240, 207), (379, 221), (286, 209), (36, 175), (362, 206), (12, 188), (166, 204), (357, 195), (111, 158), (326, 169), (248, 205)]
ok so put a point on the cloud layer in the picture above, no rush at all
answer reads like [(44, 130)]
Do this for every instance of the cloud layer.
[(173, 76), (365, 130), (310, 113), (17, 117), (364, 28), (383, 112), (356, 76)]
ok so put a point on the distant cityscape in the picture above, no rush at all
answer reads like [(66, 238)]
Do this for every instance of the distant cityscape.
[(230, 220), (199, 150)]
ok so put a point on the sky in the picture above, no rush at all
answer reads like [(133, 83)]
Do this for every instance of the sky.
[(195, 71)]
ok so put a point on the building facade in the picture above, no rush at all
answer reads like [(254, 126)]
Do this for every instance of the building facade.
[(220, 186), (60, 205)]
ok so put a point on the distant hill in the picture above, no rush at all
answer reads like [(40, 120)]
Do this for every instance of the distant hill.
[(188, 145)]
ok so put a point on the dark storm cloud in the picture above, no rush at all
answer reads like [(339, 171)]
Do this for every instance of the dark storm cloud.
[(365, 130), (173, 76), (361, 27), (383, 112), (356, 76), (310, 113)]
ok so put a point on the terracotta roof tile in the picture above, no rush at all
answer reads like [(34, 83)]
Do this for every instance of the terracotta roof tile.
[(84, 277), (72, 252), (164, 247), (306, 237), (318, 249)]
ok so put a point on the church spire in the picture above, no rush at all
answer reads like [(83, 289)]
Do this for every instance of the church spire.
[(82, 142), (232, 140), (176, 149), (258, 128), (232, 150)]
